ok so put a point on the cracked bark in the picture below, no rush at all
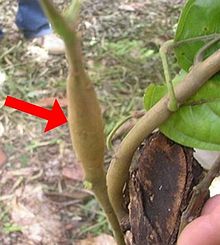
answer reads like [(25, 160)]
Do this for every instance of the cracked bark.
[(160, 189)]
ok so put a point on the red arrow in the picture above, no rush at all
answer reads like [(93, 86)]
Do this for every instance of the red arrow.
[(55, 117)]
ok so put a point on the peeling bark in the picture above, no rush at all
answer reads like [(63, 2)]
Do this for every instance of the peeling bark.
[(160, 189)]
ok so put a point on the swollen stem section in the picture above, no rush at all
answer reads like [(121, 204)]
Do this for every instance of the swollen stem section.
[(84, 116), (86, 128)]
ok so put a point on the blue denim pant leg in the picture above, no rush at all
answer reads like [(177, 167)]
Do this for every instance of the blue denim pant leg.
[(1, 34), (31, 20)]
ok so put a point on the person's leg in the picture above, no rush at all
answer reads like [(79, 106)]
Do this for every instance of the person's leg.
[(31, 20), (1, 34)]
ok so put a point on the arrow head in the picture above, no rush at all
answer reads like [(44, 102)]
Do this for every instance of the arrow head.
[(56, 117)]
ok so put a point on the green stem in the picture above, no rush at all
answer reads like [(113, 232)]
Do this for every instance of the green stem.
[(195, 39), (172, 104), (72, 13), (100, 190), (118, 125), (167, 46), (200, 55)]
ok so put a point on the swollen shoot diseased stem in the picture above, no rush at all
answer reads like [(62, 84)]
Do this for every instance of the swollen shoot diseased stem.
[(84, 113)]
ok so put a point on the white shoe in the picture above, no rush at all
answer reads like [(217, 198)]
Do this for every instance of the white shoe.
[(51, 43)]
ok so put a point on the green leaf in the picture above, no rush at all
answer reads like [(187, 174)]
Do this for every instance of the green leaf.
[(198, 18), (197, 123)]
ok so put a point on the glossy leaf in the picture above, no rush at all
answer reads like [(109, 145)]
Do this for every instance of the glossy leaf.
[(198, 18), (197, 123)]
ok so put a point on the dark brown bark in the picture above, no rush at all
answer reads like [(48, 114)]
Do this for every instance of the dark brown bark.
[(160, 189)]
